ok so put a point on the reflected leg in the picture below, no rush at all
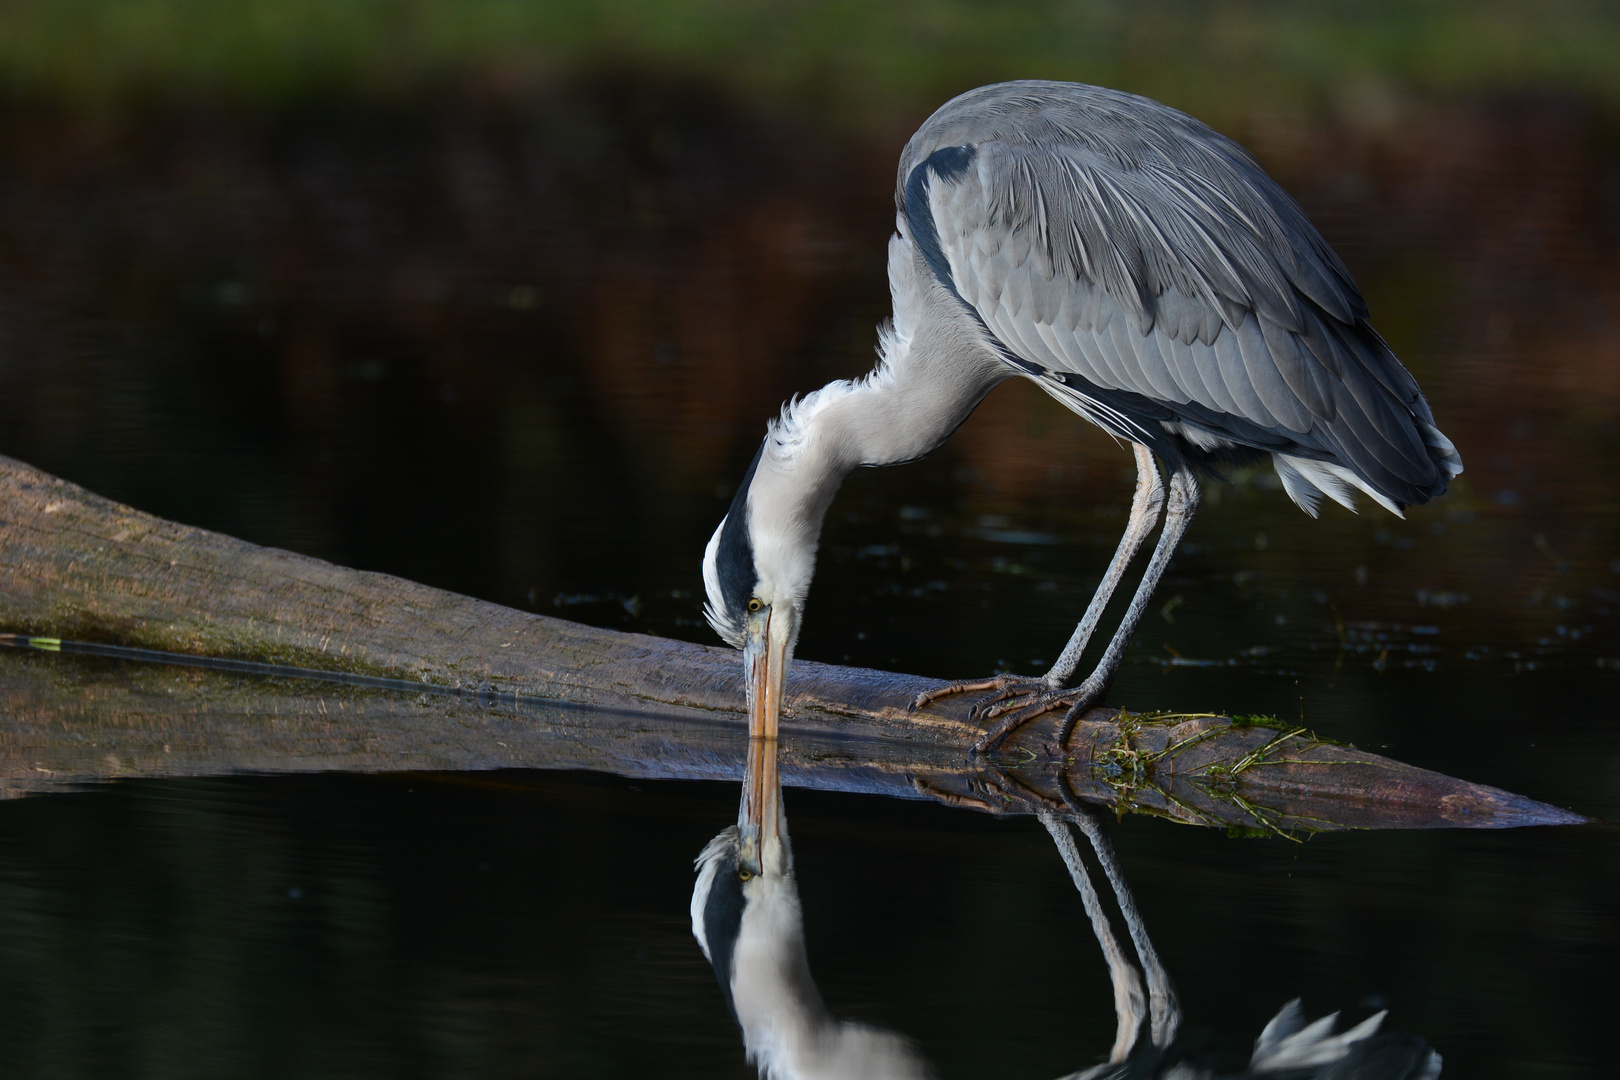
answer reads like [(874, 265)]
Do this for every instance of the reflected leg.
[(1128, 1005), (1166, 1010)]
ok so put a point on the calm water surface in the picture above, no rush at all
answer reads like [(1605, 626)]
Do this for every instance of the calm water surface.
[(524, 348)]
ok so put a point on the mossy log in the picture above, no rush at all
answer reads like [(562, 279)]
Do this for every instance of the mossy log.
[(545, 693)]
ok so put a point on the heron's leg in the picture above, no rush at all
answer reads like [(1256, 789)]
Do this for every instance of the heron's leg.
[(1145, 507), (1182, 504), (1128, 1005)]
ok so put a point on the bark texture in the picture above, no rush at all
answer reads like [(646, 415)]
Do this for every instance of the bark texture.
[(77, 566)]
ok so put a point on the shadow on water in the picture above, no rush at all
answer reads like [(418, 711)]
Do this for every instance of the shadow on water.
[(749, 922), (534, 924), (523, 923)]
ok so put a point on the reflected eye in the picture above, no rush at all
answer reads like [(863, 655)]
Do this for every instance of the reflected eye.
[(755, 603), (744, 875)]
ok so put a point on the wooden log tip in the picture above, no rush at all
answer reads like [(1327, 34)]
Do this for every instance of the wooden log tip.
[(74, 565)]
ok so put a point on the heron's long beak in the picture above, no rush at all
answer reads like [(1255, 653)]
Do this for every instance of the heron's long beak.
[(765, 667)]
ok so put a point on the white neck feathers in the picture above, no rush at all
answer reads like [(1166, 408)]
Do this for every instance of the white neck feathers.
[(933, 369)]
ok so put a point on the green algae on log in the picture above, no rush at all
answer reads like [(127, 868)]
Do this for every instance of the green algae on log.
[(531, 691)]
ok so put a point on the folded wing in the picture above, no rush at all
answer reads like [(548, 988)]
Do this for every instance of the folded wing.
[(1147, 271)]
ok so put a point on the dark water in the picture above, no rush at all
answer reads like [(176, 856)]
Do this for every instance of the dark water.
[(523, 347), (534, 925)]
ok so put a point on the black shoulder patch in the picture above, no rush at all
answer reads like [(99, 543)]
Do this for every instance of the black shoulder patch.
[(949, 164), (734, 561), (722, 923)]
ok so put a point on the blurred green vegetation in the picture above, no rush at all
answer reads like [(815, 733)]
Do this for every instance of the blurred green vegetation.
[(865, 62)]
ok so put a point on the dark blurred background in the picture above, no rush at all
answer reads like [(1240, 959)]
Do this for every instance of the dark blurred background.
[(498, 296)]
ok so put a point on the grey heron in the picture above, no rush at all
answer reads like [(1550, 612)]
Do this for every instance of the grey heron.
[(748, 920), (1141, 269)]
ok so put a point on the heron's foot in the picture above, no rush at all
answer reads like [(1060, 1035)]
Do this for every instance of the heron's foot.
[(1001, 687), (1018, 711)]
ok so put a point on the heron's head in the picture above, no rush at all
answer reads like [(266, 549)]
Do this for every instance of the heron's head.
[(757, 572)]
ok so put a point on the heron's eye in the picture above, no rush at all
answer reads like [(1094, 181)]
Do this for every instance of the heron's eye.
[(755, 603), (744, 875)]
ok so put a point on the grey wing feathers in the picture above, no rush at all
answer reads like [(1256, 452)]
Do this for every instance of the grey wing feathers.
[(1106, 237)]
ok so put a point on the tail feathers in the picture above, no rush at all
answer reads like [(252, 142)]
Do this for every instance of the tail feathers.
[(1444, 451), (1306, 481)]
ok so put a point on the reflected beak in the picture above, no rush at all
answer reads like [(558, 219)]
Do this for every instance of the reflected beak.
[(759, 818), (765, 667)]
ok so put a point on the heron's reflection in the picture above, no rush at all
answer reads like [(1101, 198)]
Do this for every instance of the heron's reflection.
[(747, 919)]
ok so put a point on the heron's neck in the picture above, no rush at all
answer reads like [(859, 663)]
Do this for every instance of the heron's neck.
[(935, 369), (819, 440), (900, 412), (776, 1001), (786, 1026)]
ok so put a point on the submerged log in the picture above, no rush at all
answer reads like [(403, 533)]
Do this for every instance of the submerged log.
[(546, 693)]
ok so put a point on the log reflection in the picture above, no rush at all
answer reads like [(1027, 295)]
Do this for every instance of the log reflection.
[(73, 721), (749, 922)]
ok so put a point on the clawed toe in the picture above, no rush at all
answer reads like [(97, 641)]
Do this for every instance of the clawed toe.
[(1015, 715), (1028, 710), (987, 707), (1004, 687), (1015, 700)]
